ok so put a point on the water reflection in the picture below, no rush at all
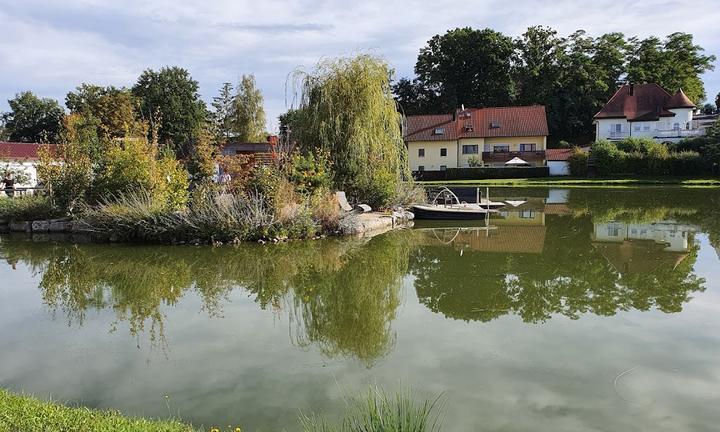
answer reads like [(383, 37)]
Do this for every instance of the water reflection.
[(340, 295), (549, 252)]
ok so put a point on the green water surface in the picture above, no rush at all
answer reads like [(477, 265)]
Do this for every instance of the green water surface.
[(577, 310)]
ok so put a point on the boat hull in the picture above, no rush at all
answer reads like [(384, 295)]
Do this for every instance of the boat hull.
[(448, 213)]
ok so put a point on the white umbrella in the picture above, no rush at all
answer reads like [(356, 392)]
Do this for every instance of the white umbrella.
[(516, 161)]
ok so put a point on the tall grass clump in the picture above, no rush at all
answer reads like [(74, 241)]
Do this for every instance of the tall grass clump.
[(209, 218), (378, 412)]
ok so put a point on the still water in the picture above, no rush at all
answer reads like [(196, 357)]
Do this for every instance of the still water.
[(578, 310)]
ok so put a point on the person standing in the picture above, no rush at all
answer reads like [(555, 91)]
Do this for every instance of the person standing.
[(8, 184)]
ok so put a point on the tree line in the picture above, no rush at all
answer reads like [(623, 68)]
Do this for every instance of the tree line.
[(573, 76), (166, 104)]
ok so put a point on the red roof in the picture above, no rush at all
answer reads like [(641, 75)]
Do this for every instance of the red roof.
[(479, 123), (558, 154), (643, 102), (679, 100), (22, 151)]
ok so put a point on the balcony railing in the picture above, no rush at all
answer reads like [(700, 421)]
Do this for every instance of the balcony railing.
[(618, 134), (678, 133), (528, 156)]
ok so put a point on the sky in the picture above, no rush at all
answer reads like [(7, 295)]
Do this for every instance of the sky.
[(52, 46)]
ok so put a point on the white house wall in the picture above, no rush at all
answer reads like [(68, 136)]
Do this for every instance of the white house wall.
[(29, 168)]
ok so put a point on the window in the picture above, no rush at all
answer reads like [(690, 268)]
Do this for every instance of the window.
[(646, 127), (501, 149), (527, 214), (637, 127), (494, 124), (443, 167), (616, 128), (421, 168), (527, 147), (468, 128), (676, 126), (439, 131), (469, 149), (443, 152), (421, 152), (613, 231)]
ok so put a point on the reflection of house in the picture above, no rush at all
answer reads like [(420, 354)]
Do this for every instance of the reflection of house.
[(517, 230), (642, 248), (646, 110), (487, 136), (22, 158), (675, 236)]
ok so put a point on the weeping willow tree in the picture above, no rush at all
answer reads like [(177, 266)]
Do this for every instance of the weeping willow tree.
[(347, 110)]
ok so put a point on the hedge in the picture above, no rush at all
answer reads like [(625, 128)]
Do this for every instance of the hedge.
[(477, 173)]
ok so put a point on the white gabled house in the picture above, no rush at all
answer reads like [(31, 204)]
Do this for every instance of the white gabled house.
[(647, 110)]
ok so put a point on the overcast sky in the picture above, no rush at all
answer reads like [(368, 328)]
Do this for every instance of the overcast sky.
[(50, 47)]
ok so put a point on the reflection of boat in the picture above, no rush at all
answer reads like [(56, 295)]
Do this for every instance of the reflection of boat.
[(452, 209)]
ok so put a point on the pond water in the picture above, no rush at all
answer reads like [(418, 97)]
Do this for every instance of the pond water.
[(578, 310)]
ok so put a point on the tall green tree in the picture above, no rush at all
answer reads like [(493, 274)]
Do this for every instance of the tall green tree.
[(677, 62), (33, 119), (467, 66), (170, 101), (221, 115), (348, 111), (114, 109), (248, 114)]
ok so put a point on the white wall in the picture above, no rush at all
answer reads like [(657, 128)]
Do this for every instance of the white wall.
[(30, 168)]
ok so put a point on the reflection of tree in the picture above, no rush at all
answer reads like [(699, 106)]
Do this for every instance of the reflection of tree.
[(347, 310), (570, 277), (342, 294)]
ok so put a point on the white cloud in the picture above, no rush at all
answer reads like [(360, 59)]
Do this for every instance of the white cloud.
[(51, 48)]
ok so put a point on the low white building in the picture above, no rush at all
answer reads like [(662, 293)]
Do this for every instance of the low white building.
[(647, 110), (21, 159)]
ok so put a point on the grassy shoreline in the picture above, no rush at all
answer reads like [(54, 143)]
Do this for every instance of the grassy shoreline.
[(373, 411), (585, 182), (28, 414)]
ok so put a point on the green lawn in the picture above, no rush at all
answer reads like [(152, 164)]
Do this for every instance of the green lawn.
[(27, 414), (584, 182)]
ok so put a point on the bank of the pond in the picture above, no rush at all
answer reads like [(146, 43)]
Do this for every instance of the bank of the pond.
[(27, 414), (586, 182), (354, 224)]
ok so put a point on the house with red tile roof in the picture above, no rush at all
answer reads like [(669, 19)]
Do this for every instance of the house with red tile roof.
[(646, 110), (477, 136), (22, 158)]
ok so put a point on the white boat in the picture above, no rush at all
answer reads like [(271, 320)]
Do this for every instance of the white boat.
[(452, 208)]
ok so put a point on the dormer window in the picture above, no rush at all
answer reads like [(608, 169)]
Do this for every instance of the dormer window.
[(468, 128), (494, 124), (439, 131)]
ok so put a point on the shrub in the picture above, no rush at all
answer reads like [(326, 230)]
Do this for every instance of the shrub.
[(28, 208), (311, 172), (134, 164), (578, 162), (326, 211), (608, 159), (67, 174)]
